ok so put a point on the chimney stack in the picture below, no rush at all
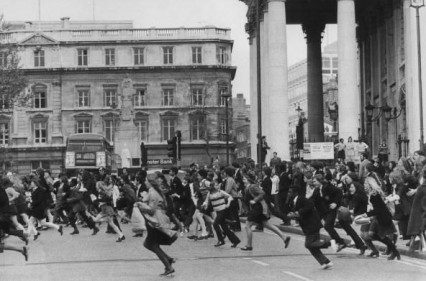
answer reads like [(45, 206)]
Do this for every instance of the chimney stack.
[(65, 22)]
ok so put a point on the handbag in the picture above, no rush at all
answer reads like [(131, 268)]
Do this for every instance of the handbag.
[(137, 220), (362, 220), (344, 214)]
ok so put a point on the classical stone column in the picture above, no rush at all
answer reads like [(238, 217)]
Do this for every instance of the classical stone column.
[(347, 53), (313, 31), (253, 96), (264, 70), (277, 103)]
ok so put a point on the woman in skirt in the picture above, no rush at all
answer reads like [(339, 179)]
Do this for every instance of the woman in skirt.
[(259, 212), (155, 201)]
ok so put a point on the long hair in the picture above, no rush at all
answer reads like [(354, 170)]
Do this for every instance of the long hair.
[(372, 186), (152, 183)]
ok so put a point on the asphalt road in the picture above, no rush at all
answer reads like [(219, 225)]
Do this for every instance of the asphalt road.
[(86, 257)]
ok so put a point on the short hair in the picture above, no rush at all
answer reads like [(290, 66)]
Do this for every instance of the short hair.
[(267, 171), (175, 170), (202, 173), (229, 171)]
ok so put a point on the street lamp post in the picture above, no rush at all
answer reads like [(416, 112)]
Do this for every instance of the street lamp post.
[(417, 4), (113, 107), (226, 95)]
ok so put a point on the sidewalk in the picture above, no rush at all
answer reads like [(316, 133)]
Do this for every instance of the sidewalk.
[(400, 244)]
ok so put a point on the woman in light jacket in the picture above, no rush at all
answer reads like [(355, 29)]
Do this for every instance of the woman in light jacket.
[(155, 201)]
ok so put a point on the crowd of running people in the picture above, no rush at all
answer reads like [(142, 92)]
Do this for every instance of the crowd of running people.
[(388, 199)]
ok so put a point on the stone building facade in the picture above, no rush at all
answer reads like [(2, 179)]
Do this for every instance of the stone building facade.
[(127, 84)]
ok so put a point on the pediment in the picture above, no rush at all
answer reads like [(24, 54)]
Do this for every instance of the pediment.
[(197, 112), (83, 115), (38, 39), (110, 115), (140, 114), (169, 113)]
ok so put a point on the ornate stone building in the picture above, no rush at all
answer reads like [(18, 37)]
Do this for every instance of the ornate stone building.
[(378, 69), (128, 84)]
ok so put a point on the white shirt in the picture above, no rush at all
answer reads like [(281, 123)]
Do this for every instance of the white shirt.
[(275, 184)]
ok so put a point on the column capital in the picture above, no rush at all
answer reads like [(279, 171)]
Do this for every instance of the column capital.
[(313, 30), (277, 1)]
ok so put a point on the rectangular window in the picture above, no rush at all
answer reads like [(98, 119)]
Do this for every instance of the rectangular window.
[(139, 56), (110, 97), (40, 164), (197, 128), (222, 56), (196, 55), (40, 98), (109, 56), (39, 58), (197, 97), (3, 59), (168, 55), (109, 130), (83, 126), (40, 132), (142, 126), (136, 162), (335, 63), (326, 63), (167, 98), (83, 97), (4, 101), (139, 98), (4, 133), (168, 128), (82, 57), (223, 126), (222, 91)]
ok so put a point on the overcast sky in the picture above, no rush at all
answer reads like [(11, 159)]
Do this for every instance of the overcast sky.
[(166, 13)]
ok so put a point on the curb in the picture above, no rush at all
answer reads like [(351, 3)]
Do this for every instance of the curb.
[(380, 247)]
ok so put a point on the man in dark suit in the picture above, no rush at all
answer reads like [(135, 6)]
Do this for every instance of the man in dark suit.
[(327, 200), (176, 190), (310, 222), (284, 185)]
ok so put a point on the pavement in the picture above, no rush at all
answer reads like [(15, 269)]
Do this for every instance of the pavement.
[(400, 244), (85, 257)]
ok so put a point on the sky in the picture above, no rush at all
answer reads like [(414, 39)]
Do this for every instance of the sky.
[(167, 13)]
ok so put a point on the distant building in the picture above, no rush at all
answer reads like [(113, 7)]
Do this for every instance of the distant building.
[(241, 127), (298, 88), (78, 71)]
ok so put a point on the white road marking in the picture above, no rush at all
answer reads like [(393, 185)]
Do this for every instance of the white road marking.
[(261, 263), (297, 276)]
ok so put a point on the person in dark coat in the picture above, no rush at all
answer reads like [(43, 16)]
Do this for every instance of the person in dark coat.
[(310, 222), (417, 221), (381, 226), (283, 186), (37, 211), (327, 200)]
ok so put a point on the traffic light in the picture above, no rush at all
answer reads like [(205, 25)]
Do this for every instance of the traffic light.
[(178, 145), (299, 136), (144, 155), (172, 148)]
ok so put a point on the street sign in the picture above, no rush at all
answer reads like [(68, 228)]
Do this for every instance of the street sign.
[(159, 161)]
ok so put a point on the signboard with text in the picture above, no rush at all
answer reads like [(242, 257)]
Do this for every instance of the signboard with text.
[(85, 158), (318, 151), (159, 161)]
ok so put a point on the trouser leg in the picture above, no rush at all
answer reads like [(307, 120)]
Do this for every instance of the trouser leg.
[(329, 220), (313, 244), (352, 233)]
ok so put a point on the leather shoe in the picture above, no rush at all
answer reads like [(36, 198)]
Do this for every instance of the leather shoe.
[(374, 255), (95, 230), (341, 247), (25, 252), (220, 243), (168, 272), (287, 241), (36, 236), (61, 230), (247, 248), (362, 250), (120, 238), (234, 245)]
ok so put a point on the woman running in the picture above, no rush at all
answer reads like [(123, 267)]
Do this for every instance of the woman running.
[(259, 212)]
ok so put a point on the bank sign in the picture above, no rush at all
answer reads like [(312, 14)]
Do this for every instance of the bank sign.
[(159, 162), (318, 150)]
